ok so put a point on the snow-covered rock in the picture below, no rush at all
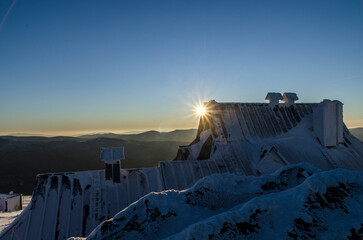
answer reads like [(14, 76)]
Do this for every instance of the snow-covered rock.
[(296, 202), (327, 205)]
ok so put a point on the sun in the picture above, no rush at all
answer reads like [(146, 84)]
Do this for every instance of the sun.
[(201, 110)]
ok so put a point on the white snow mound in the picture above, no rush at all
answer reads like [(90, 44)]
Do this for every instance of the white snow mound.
[(294, 201)]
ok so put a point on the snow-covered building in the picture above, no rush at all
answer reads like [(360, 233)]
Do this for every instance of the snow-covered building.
[(10, 202), (240, 138)]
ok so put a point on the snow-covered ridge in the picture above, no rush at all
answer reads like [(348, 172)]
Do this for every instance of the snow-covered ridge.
[(293, 203), (328, 205)]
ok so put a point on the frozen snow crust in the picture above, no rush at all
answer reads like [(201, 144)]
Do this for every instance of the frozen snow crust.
[(296, 202)]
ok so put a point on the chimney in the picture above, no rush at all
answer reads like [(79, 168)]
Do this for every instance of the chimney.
[(274, 98), (289, 98), (112, 157), (328, 123)]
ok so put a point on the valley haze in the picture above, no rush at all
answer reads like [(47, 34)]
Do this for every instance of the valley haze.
[(23, 157)]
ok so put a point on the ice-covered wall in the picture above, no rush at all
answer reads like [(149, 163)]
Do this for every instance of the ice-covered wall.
[(240, 138), (328, 123), (242, 132), (73, 204)]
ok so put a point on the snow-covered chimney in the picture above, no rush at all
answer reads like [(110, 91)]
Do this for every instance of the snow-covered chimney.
[(289, 98), (274, 98), (328, 123), (112, 157)]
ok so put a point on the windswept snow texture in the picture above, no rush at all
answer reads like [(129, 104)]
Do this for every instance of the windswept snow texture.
[(297, 202), (238, 134), (73, 204), (328, 205)]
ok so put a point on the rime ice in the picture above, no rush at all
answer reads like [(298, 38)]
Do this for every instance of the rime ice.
[(237, 144)]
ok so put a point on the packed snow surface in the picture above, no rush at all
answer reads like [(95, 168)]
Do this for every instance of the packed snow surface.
[(296, 202)]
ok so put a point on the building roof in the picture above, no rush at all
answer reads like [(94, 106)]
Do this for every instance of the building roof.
[(112, 154), (290, 96), (273, 96), (7, 195)]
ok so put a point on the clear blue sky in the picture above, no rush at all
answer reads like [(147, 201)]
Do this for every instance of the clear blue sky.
[(68, 67)]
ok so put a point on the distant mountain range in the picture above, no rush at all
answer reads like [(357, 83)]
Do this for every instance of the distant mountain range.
[(149, 136), (357, 132), (23, 157)]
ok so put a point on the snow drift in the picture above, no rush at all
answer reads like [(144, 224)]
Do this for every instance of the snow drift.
[(296, 202)]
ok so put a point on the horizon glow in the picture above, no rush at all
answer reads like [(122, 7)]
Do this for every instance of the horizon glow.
[(69, 67)]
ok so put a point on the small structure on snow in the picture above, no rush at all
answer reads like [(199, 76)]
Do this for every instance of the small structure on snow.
[(10, 202)]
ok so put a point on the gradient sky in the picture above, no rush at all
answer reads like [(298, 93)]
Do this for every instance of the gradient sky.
[(69, 67)]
